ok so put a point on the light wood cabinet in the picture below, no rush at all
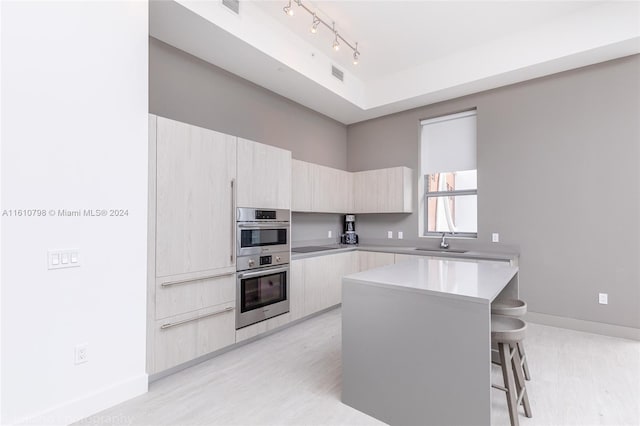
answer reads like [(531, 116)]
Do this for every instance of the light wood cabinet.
[(301, 186), (404, 257), (371, 259), (320, 189), (191, 281), (330, 190), (195, 215), (383, 191), (175, 296), (319, 280), (264, 176), (184, 337), (296, 289), (323, 189)]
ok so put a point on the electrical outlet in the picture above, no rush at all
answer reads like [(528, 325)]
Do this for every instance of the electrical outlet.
[(495, 237), (603, 298), (329, 234), (389, 234), (400, 235), (81, 353)]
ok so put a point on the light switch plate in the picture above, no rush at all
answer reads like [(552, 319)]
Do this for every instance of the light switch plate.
[(59, 259), (495, 237), (329, 234), (400, 235), (389, 234), (603, 298)]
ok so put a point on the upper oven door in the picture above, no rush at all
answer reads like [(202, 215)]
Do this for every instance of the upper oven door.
[(258, 238)]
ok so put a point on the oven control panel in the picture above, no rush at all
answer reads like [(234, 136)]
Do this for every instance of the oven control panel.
[(257, 261)]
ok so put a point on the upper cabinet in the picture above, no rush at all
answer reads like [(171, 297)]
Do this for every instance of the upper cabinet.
[(264, 176), (195, 170), (383, 191), (320, 189), (323, 189), (301, 186)]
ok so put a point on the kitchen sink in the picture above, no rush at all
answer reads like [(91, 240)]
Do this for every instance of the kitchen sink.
[(441, 250)]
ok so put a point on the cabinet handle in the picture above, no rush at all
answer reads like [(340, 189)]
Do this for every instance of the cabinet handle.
[(233, 211), (170, 283), (173, 324)]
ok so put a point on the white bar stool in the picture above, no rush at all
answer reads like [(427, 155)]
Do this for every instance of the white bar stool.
[(513, 308), (506, 332)]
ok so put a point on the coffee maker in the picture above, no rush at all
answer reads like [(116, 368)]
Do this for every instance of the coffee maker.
[(349, 236)]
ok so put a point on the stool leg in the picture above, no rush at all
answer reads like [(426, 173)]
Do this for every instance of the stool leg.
[(525, 364), (509, 382), (520, 383)]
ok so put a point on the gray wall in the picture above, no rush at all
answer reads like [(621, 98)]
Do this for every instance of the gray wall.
[(311, 228), (558, 176), (185, 88)]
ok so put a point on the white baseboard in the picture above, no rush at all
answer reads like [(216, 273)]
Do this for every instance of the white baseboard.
[(87, 406), (582, 325)]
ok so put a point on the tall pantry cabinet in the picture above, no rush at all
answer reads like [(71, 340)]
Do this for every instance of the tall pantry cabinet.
[(191, 298)]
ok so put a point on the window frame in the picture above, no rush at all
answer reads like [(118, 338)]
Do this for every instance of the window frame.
[(436, 194)]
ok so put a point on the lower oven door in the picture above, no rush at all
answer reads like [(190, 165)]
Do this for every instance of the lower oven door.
[(261, 294)]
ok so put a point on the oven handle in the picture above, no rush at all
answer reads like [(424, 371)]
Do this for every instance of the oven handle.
[(263, 225), (243, 275)]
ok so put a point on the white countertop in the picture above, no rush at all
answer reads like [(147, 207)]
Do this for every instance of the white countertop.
[(479, 281), (470, 254)]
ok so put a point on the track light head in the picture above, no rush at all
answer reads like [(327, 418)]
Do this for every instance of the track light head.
[(316, 22), (287, 9), (336, 44), (356, 55)]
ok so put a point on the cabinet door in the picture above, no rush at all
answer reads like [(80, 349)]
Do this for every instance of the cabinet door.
[(404, 257), (184, 337), (174, 297), (383, 191), (194, 202), (264, 176), (296, 289), (369, 260), (323, 280), (301, 186)]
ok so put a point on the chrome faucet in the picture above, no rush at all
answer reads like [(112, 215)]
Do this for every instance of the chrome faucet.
[(443, 243)]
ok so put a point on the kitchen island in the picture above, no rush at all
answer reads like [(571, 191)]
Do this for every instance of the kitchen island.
[(416, 340)]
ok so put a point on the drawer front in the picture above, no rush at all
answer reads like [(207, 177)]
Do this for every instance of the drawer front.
[(184, 337), (179, 296)]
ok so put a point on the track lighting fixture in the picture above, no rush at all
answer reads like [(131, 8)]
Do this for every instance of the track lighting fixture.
[(314, 29)]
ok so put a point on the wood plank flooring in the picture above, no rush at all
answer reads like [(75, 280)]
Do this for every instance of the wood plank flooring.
[(294, 378)]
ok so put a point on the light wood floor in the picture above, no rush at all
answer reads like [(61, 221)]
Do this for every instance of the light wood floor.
[(293, 378)]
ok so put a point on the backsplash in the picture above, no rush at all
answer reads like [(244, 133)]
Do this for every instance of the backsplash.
[(314, 227)]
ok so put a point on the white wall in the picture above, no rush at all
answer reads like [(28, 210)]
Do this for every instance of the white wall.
[(74, 136)]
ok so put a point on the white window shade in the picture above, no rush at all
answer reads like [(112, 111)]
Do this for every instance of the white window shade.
[(448, 143)]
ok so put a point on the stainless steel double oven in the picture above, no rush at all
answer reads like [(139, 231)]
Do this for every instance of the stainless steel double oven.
[(263, 250)]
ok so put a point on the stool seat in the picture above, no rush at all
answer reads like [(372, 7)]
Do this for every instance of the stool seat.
[(507, 329), (510, 307)]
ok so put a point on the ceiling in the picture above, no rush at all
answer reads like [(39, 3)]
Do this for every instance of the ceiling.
[(412, 52)]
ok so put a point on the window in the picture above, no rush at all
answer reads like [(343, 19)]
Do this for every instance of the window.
[(449, 201)]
